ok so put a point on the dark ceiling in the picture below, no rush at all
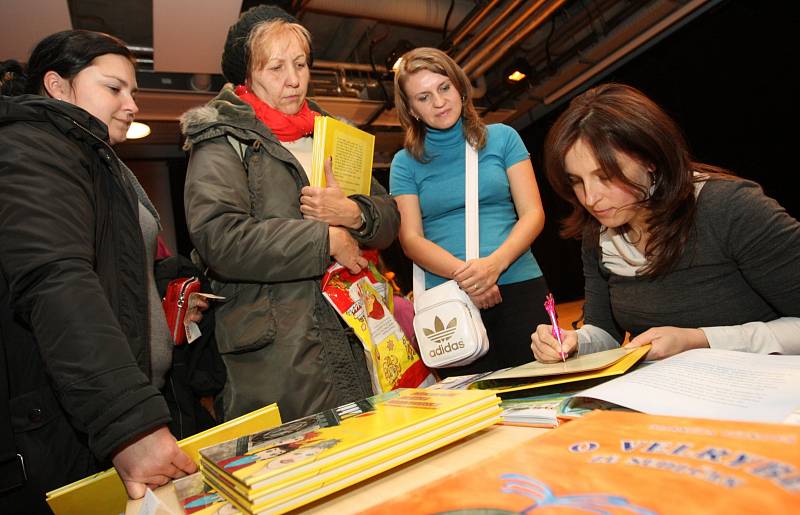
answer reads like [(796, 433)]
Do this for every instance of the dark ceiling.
[(565, 45)]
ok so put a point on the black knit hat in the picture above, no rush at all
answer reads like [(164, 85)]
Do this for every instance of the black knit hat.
[(235, 57)]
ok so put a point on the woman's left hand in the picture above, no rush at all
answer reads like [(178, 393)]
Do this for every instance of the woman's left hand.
[(478, 276), (197, 304), (329, 204), (487, 299), (668, 341)]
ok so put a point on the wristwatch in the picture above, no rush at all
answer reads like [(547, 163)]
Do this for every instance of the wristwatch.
[(363, 226)]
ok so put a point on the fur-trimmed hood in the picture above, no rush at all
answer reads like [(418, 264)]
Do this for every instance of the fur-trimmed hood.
[(226, 113)]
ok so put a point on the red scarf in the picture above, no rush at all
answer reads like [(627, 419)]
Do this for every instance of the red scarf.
[(287, 127)]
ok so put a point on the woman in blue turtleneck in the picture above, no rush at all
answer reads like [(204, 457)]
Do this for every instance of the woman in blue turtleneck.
[(434, 103)]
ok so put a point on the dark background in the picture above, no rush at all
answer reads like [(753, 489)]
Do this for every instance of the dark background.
[(725, 77)]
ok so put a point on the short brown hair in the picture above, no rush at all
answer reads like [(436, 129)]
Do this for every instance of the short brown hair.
[(436, 61), (264, 36)]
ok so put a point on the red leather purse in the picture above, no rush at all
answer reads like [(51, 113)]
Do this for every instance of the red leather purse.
[(176, 303)]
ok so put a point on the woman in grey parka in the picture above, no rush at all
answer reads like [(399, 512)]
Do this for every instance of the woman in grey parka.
[(266, 236)]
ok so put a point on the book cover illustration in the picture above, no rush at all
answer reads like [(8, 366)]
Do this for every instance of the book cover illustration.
[(197, 498), (290, 443), (626, 462), (305, 446)]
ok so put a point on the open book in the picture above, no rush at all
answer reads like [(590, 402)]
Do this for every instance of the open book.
[(709, 383), (351, 150), (580, 370)]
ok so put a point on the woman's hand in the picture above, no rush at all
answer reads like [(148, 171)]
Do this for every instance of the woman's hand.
[(344, 249), (197, 304), (330, 204), (150, 461), (478, 276), (668, 341), (546, 348), (487, 299)]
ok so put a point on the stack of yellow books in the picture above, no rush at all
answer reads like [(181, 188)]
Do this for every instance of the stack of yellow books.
[(280, 469)]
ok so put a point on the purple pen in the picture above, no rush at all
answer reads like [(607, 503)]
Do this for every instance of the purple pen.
[(550, 307)]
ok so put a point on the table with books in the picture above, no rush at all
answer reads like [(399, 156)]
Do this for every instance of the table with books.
[(402, 479), (733, 449)]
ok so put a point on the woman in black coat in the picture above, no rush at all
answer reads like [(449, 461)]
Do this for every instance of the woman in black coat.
[(75, 308)]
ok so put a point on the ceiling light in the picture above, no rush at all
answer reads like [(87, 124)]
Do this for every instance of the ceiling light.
[(516, 76), (396, 55), (138, 130), (517, 72)]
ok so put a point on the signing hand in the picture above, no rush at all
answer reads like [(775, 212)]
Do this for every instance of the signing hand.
[(477, 276), (545, 348), (329, 204), (150, 461), (668, 341), (344, 249), (487, 299)]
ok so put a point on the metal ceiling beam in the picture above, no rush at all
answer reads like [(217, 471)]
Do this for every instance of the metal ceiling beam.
[(479, 64), (640, 32)]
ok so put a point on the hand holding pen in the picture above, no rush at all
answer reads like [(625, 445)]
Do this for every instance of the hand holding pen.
[(550, 307)]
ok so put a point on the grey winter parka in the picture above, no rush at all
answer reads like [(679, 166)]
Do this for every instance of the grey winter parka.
[(279, 338)]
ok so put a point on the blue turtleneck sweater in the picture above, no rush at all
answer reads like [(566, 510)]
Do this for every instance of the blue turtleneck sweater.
[(440, 183)]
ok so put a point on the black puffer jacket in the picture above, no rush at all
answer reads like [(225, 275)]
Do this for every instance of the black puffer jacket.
[(73, 293)]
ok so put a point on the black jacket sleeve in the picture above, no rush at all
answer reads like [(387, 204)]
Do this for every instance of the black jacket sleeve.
[(47, 255)]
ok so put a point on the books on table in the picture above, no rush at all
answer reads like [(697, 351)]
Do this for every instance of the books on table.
[(298, 462), (104, 493), (352, 151), (626, 462)]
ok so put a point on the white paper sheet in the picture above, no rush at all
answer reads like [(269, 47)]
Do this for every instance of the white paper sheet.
[(710, 383)]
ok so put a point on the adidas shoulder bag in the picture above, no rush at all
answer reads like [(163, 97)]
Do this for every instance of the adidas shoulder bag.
[(447, 324)]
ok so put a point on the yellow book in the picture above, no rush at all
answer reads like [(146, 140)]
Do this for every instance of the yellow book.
[(310, 445), (339, 472), (614, 363), (352, 150), (104, 493), (347, 474), (626, 463)]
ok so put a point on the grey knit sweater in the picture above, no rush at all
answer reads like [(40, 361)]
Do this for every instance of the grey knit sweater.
[(741, 264)]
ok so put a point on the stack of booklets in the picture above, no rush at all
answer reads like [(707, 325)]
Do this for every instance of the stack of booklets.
[(625, 462), (280, 469)]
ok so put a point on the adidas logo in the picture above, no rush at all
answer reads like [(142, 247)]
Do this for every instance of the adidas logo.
[(441, 333)]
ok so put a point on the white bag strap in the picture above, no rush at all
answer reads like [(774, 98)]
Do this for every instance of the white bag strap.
[(471, 208)]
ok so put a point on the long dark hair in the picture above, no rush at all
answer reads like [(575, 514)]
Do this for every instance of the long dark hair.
[(615, 118), (66, 53)]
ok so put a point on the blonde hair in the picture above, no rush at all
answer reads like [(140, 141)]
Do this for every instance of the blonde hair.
[(436, 61), (264, 36)]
